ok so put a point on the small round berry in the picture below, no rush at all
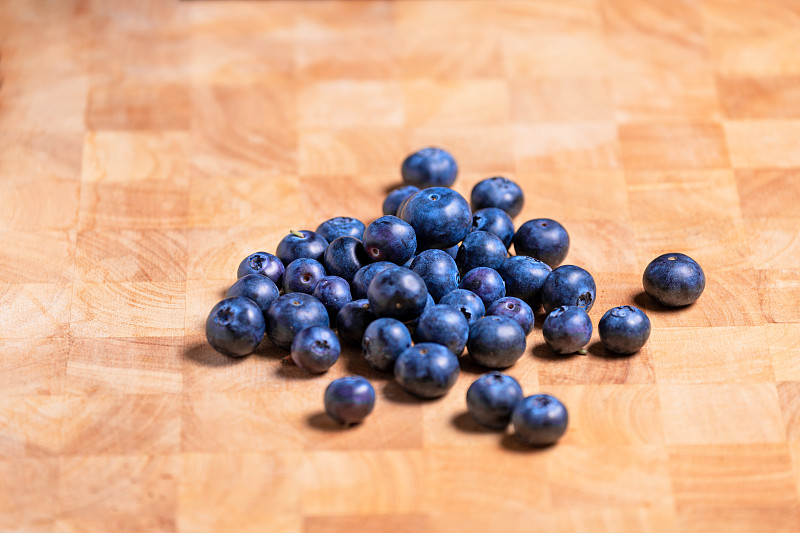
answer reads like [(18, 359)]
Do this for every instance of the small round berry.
[(491, 399), (624, 329), (315, 349), (674, 280), (349, 400), (540, 420)]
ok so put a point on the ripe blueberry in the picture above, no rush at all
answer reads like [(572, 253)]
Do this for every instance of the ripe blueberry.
[(292, 313), (438, 270), (543, 239), (429, 167), (445, 325), (344, 256), (264, 264), (540, 420), (567, 329), (315, 349), (235, 326), (470, 305), (390, 239), (498, 192), (674, 280), (496, 342), (397, 293), (349, 400), (495, 221), (440, 217), (486, 283), (515, 309), (261, 289), (568, 285), (301, 244), (624, 329), (426, 370), (302, 275), (524, 277), (384, 340), (340, 227), (491, 399)]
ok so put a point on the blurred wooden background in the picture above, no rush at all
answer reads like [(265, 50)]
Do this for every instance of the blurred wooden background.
[(147, 146)]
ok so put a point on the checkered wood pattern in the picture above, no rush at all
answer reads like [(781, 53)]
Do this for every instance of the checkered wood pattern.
[(147, 146)]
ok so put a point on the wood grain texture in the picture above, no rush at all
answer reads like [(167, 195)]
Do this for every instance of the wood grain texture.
[(146, 147)]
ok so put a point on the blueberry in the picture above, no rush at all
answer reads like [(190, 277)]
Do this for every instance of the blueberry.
[(365, 275), (235, 326), (261, 289), (515, 309), (426, 370), (452, 251), (334, 293), (353, 319), (674, 280), (344, 256), (440, 217), (336, 227), (540, 420), (390, 239), (491, 399), (429, 167), (524, 277), (397, 293), (470, 305), (624, 329), (568, 285), (412, 324), (262, 263), (543, 239), (349, 400), (498, 192), (495, 221), (438, 270), (486, 283), (496, 342), (292, 313), (481, 249), (302, 275), (567, 329), (445, 325), (315, 349), (383, 342), (301, 244), (393, 200)]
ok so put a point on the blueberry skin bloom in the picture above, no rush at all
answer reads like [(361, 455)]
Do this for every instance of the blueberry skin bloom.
[(543, 239), (390, 239), (261, 263), (302, 275), (674, 280), (344, 256), (383, 342), (258, 288), (438, 270), (495, 221), (334, 293), (567, 329), (568, 285), (393, 200), (315, 349), (235, 326), (440, 217), (426, 370), (353, 319), (397, 293), (349, 400), (515, 309), (496, 342), (491, 399), (498, 192), (524, 277), (336, 227), (486, 283), (624, 329), (364, 276), (540, 420), (470, 305), (301, 244), (445, 325), (291, 314), (481, 249), (429, 167)]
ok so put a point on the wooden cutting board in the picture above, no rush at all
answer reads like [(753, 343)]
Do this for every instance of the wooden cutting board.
[(146, 147)]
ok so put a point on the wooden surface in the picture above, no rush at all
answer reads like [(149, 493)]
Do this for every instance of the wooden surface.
[(147, 146)]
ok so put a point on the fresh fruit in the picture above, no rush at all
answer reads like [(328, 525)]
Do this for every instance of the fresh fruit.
[(302, 275), (390, 239), (315, 349), (349, 400), (496, 342), (334, 293), (568, 285), (524, 277), (515, 309), (441, 217), (235, 326), (491, 399), (336, 227), (540, 420), (353, 319), (384, 340), (498, 192), (486, 283), (543, 239), (480, 249), (624, 329), (397, 293), (567, 329), (291, 314), (299, 244), (393, 200), (364, 276), (438, 270), (429, 167), (674, 280), (494, 220), (445, 325), (261, 289), (470, 305), (262, 263), (426, 370), (344, 256)]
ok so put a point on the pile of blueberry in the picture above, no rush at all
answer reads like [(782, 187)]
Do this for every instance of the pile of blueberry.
[(426, 281)]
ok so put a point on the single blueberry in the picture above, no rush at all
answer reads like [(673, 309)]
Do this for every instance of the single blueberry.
[(344, 256), (426, 370), (291, 314), (397, 293), (353, 319), (624, 329), (364, 276), (261, 289), (481, 249), (429, 167), (336, 227), (302, 275), (301, 244), (515, 309), (470, 305), (567, 329), (498, 192), (674, 280), (262, 263), (496, 342), (495, 221), (486, 283), (334, 293), (235, 326), (568, 285), (438, 270), (491, 399), (543, 239), (315, 349), (349, 400), (393, 200), (384, 340), (440, 217), (524, 277), (445, 325), (390, 239), (540, 420)]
